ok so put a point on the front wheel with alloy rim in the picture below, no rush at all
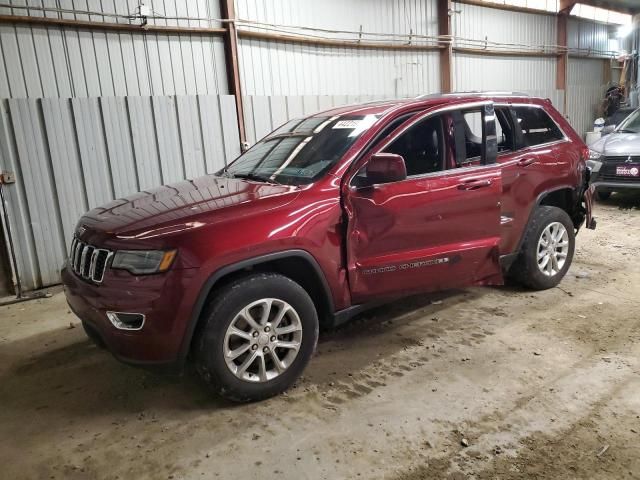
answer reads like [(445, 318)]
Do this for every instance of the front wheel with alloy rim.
[(257, 336), (547, 249)]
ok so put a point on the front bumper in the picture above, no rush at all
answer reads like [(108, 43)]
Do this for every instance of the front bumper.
[(606, 178), (159, 297)]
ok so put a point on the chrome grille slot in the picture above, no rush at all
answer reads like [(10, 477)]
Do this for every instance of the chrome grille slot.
[(87, 261)]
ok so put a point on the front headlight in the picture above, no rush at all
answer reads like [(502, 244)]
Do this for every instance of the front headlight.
[(142, 262), (595, 161)]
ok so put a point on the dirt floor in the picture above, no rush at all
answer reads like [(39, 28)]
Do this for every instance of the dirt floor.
[(538, 385)]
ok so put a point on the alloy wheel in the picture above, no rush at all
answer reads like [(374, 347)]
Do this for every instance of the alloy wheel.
[(263, 340), (553, 249)]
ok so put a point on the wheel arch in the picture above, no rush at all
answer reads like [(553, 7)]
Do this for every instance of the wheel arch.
[(563, 197), (298, 265)]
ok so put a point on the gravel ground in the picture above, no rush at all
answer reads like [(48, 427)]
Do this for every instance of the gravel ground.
[(478, 383)]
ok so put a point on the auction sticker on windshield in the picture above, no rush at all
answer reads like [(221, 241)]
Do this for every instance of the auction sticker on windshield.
[(628, 171)]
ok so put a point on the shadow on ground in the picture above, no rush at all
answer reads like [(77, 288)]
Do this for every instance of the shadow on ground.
[(78, 378), (624, 200)]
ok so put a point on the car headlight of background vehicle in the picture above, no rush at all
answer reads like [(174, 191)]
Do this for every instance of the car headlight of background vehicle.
[(595, 161), (141, 262)]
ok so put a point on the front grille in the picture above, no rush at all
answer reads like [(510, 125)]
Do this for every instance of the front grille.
[(608, 169), (87, 261), (622, 159)]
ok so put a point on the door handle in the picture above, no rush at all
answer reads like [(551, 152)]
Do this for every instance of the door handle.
[(525, 162), (474, 184)]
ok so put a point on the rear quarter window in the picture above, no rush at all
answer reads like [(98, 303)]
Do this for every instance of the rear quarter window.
[(537, 126)]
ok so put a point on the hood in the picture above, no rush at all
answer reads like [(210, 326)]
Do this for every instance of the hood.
[(190, 204), (618, 144)]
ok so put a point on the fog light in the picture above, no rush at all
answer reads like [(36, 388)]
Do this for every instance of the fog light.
[(126, 321)]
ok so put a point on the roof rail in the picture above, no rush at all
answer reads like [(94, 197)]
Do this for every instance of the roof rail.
[(475, 92)]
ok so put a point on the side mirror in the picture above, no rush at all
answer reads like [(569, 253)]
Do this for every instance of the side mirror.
[(608, 129), (386, 168)]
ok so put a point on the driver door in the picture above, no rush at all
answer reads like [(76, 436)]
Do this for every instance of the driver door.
[(440, 227)]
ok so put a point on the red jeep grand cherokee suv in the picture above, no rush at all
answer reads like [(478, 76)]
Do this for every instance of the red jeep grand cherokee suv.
[(322, 218)]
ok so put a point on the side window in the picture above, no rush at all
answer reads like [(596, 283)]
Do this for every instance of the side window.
[(421, 146), (504, 131), (474, 135), (536, 125), (361, 177)]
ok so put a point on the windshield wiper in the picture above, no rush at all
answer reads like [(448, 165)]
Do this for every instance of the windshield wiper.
[(254, 176), (626, 130)]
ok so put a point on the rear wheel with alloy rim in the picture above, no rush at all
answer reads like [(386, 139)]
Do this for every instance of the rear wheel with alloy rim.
[(553, 248), (256, 337), (547, 249)]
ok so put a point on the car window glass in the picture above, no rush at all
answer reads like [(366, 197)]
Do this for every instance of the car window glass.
[(421, 146), (473, 134), (536, 125), (631, 124), (504, 131), (302, 152)]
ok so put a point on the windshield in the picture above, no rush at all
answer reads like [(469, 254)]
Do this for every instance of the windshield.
[(631, 124), (300, 151)]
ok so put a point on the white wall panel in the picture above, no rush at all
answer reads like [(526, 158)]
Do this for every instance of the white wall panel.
[(384, 16), (70, 155), (588, 35), (62, 61), (475, 72), (494, 25), (269, 68), (585, 90)]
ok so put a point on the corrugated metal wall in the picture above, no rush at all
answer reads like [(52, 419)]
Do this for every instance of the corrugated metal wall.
[(585, 91), (532, 75), (588, 35), (492, 24), (71, 155), (42, 61), (380, 16), (269, 68)]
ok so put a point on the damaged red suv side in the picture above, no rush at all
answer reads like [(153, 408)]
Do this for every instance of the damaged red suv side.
[(324, 217)]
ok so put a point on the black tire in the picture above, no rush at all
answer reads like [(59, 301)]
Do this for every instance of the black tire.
[(228, 302), (603, 194), (525, 269)]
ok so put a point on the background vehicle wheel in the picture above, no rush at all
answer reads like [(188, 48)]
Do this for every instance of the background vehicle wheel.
[(603, 194), (547, 250), (257, 336)]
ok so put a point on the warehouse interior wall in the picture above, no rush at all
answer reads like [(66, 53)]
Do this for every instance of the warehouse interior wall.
[(88, 115)]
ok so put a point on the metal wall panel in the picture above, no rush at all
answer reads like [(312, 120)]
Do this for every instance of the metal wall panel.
[(41, 191), (194, 11), (481, 23), (585, 90), (76, 62), (475, 72), (70, 155), (590, 36), (16, 203), (268, 68), (65, 161), (381, 16), (276, 68)]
